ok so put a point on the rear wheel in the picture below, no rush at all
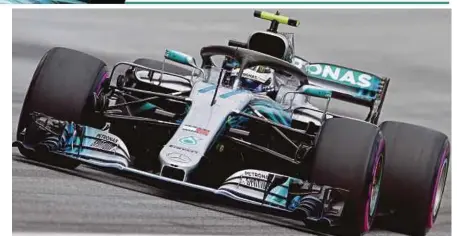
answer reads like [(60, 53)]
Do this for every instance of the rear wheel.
[(62, 87), (415, 178), (350, 155)]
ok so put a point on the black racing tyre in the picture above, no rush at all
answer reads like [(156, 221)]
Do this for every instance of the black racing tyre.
[(415, 177), (154, 64), (350, 154), (62, 87)]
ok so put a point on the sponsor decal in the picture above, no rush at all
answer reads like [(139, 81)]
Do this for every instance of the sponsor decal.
[(105, 142), (189, 140), (299, 62), (184, 149), (255, 174), (339, 74), (178, 157), (254, 183), (107, 138), (196, 129), (251, 74)]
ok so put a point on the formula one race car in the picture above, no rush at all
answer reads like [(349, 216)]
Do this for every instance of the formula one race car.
[(244, 127)]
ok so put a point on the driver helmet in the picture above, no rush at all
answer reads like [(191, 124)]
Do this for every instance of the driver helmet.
[(255, 79)]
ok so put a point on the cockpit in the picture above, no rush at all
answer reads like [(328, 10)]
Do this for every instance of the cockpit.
[(259, 78)]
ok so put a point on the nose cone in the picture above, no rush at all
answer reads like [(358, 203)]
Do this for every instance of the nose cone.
[(200, 128), (180, 157)]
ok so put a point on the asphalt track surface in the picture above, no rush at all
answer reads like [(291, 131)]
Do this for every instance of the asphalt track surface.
[(410, 46)]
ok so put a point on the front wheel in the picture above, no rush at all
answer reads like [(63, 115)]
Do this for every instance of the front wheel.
[(350, 154), (62, 87)]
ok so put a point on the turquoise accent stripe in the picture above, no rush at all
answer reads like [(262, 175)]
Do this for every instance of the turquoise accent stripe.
[(73, 142), (281, 190), (178, 57), (146, 106), (207, 89), (70, 139), (293, 3), (343, 75), (318, 92), (272, 111), (231, 93)]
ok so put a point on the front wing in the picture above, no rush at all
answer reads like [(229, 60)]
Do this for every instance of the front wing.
[(318, 206)]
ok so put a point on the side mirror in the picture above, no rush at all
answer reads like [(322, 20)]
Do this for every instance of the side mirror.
[(180, 57), (184, 59), (315, 91), (318, 92)]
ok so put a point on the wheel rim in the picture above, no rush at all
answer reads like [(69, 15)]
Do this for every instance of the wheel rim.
[(438, 189), (374, 187)]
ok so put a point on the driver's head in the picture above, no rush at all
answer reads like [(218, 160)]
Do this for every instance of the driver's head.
[(255, 79), (230, 63)]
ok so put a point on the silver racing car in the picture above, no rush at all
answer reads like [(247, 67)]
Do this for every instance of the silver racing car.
[(251, 123)]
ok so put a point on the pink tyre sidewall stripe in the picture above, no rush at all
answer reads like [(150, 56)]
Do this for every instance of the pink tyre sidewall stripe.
[(99, 86), (443, 159), (367, 223)]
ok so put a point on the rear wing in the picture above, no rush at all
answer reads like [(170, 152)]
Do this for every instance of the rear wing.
[(348, 84)]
